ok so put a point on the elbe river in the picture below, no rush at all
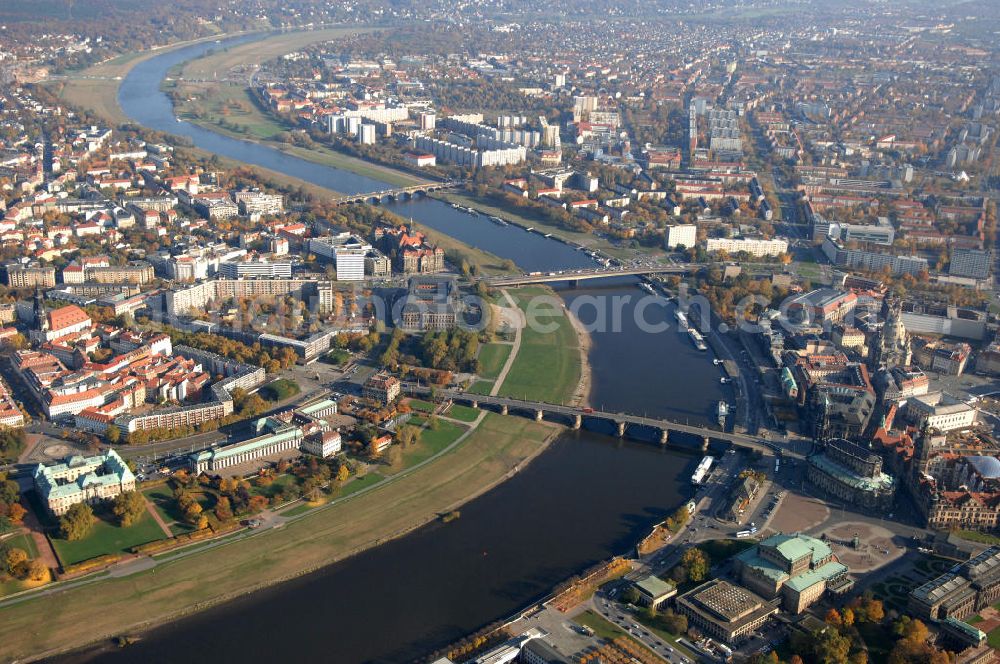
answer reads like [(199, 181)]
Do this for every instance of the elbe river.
[(586, 498)]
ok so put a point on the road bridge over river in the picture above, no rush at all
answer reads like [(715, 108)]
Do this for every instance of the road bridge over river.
[(595, 273), (397, 194), (623, 423)]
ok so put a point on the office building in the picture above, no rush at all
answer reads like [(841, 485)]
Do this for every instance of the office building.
[(347, 251), (939, 411), (30, 276), (873, 261), (752, 246), (255, 269), (970, 263)]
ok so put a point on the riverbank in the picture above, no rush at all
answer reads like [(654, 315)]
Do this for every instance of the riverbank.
[(552, 364), (527, 218), (582, 395), (65, 619), (218, 85), (96, 88)]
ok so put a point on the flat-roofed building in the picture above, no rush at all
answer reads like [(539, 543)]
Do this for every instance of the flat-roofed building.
[(30, 276), (681, 235), (724, 611), (939, 411), (970, 263), (753, 246), (654, 591), (824, 305)]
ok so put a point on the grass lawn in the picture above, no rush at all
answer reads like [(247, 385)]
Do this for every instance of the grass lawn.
[(422, 406), (431, 442), (105, 537), (300, 508), (162, 498), (463, 413), (21, 541), (547, 366), (228, 105), (280, 390), (993, 638), (280, 483), (975, 536), (602, 627), (481, 387), (492, 358), (359, 483)]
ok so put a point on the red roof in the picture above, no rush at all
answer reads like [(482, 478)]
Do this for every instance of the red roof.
[(67, 316)]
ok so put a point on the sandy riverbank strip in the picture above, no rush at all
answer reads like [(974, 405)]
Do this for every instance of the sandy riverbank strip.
[(582, 395)]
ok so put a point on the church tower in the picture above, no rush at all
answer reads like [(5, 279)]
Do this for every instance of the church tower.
[(892, 347)]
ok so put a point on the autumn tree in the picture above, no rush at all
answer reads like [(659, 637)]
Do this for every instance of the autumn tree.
[(13, 559), (76, 523), (37, 571), (831, 647), (407, 435), (128, 507), (16, 513), (695, 562), (223, 509)]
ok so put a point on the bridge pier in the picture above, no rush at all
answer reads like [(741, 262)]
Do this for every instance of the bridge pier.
[(503, 409), (664, 436), (621, 429), (577, 422), (538, 415), (475, 404), (704, 443)]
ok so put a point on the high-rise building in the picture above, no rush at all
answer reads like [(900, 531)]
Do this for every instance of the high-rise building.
[(682, 235), (971, 263)]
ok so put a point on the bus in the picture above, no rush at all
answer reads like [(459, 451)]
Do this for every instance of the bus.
[(743, 534)]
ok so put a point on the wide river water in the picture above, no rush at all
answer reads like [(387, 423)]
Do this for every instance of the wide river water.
[(586, 498)]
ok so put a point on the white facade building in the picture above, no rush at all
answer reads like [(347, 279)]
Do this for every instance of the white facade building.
[(754, 247), (685, 235)]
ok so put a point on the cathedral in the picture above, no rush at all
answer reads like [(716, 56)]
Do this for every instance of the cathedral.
[(892, 343)]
